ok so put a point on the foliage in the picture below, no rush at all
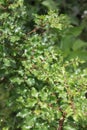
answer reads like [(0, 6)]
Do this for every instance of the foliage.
[(64, 34), (41, 85)]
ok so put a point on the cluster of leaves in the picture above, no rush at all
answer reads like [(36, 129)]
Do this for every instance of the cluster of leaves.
[(64, 34), (39, 89)]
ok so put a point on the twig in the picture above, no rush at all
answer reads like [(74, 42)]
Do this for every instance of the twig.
[(2, 7), (34, 30)]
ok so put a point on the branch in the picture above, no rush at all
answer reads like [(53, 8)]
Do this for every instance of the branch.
[(61, 122), (62, 119)]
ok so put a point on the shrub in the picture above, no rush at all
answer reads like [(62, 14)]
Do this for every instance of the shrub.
[(39, 89)]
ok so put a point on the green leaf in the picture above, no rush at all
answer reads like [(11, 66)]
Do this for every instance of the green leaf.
[(78, 44), (80, 54), (14, 38), (50, 4)]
